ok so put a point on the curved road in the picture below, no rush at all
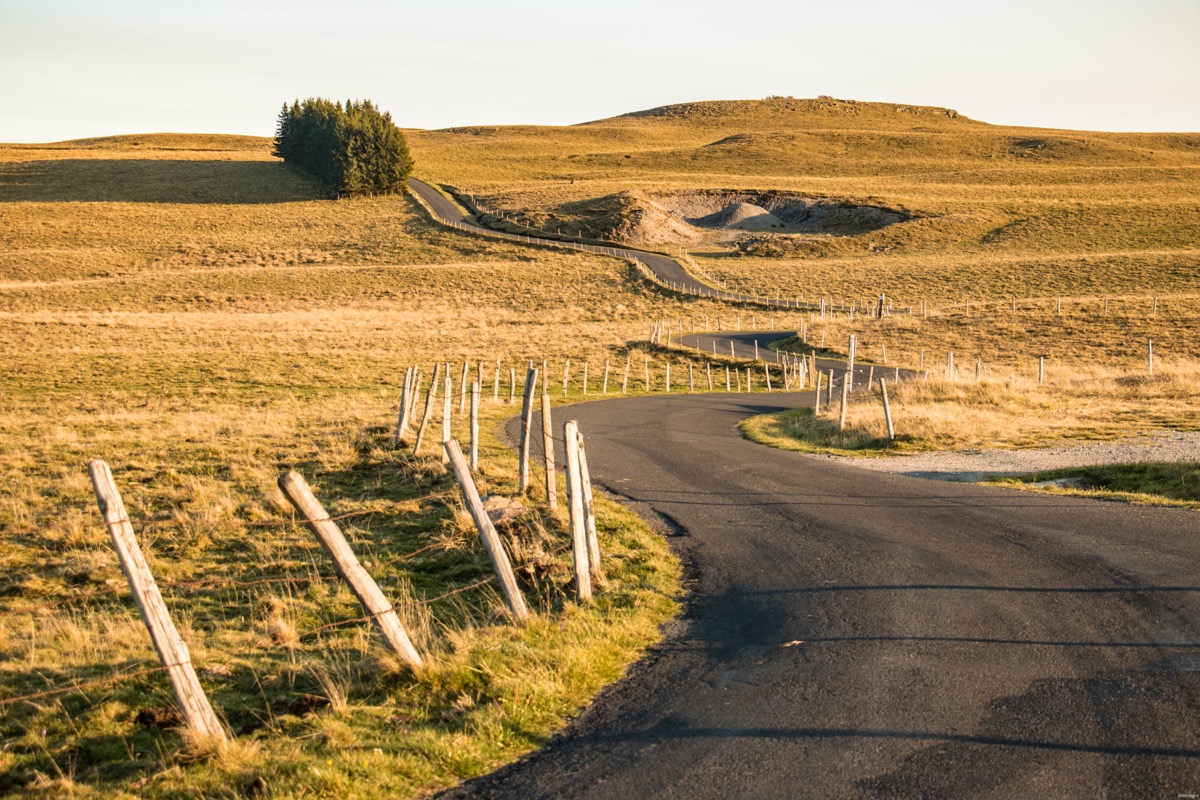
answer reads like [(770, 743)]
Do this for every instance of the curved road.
[(666, 269), (857, 634)]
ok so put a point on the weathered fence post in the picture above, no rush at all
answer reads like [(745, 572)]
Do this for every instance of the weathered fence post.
[(583, 579), (604, 389), (548, 452), (566, 376), (691, 378), (1041, 370), (402, 416), (853, 351), (767, 372), (845, 402), (668, 377), (625, 379), (887, 410), (428, 413), (475, 427), (585, 378), (526, 426), (447, 406), (487, 532), (172, 651), (817, 399), (462, 389), (512, 384), (346, 563), (496, 384), (708, 367), (589, 506)]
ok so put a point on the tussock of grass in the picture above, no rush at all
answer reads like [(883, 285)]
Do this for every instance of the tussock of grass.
[(996, 412)]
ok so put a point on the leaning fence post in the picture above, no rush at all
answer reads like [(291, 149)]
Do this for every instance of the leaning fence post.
[(346, 563), (579, 549), (172, 651), (548, 452), (526, 426), (887, 410), (589, 506), (487, 532)]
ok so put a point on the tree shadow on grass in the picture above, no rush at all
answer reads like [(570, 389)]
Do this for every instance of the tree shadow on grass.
[(153, 181)]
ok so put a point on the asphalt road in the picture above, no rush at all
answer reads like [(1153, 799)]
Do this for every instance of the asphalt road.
[(856, 634), (860, 634)]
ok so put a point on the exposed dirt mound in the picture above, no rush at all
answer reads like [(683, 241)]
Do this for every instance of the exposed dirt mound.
[(742, 217), (720, 217)]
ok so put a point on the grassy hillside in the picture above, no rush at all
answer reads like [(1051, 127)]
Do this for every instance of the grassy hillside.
[(189, 310), (994, 210)]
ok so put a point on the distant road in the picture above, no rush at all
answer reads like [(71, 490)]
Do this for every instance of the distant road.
[(665, 268)]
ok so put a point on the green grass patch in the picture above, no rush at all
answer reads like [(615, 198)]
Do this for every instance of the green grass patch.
[(800, 430), (1151, 483)]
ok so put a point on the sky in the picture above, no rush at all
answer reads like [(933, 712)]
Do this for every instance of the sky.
[(72, 69)]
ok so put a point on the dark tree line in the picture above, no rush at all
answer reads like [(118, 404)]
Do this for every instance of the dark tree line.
[(351, 150)]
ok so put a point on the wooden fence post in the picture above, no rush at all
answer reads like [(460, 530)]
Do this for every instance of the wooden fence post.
[(691, 378), (583, 579), (548, 452), (585, 378), (728, 384), (346, 563), (708, 367), (462, 389), (887, 410), (487, 532), (853, 351), (767, 372), (817, 399), (526, 426), (475, 427), (566, 376), (402, 416), (625, 379), (845, 402), (1041, 370), (589, 506), (604, 390), (447, 406), (430, 396), (668, 378), (496, 384), (172, 651)]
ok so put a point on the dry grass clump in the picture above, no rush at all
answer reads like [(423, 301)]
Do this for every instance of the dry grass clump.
[(1009, 411)]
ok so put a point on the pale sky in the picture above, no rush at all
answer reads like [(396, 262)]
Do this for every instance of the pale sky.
[(71, 69)]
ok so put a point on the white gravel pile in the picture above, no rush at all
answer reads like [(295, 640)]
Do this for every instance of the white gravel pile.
[(974, 465)]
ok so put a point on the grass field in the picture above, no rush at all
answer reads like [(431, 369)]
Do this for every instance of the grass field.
[(188, 309)]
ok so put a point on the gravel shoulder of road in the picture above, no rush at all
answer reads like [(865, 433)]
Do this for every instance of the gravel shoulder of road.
[(970, 466)]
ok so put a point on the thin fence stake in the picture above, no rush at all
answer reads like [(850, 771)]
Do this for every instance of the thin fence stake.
[(589, 506), (430, 397), (887, 410), (475, 427), (548, 452)]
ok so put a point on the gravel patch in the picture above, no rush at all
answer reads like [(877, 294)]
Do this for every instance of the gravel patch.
[(969, 466)]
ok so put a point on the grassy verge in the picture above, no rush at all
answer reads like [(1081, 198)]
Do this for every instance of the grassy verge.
[(1159, 484)]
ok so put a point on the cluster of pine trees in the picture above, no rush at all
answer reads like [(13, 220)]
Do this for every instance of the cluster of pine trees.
[(352, 149)]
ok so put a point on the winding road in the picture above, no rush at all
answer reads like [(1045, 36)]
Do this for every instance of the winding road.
[(665, 269), (859, 634)]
